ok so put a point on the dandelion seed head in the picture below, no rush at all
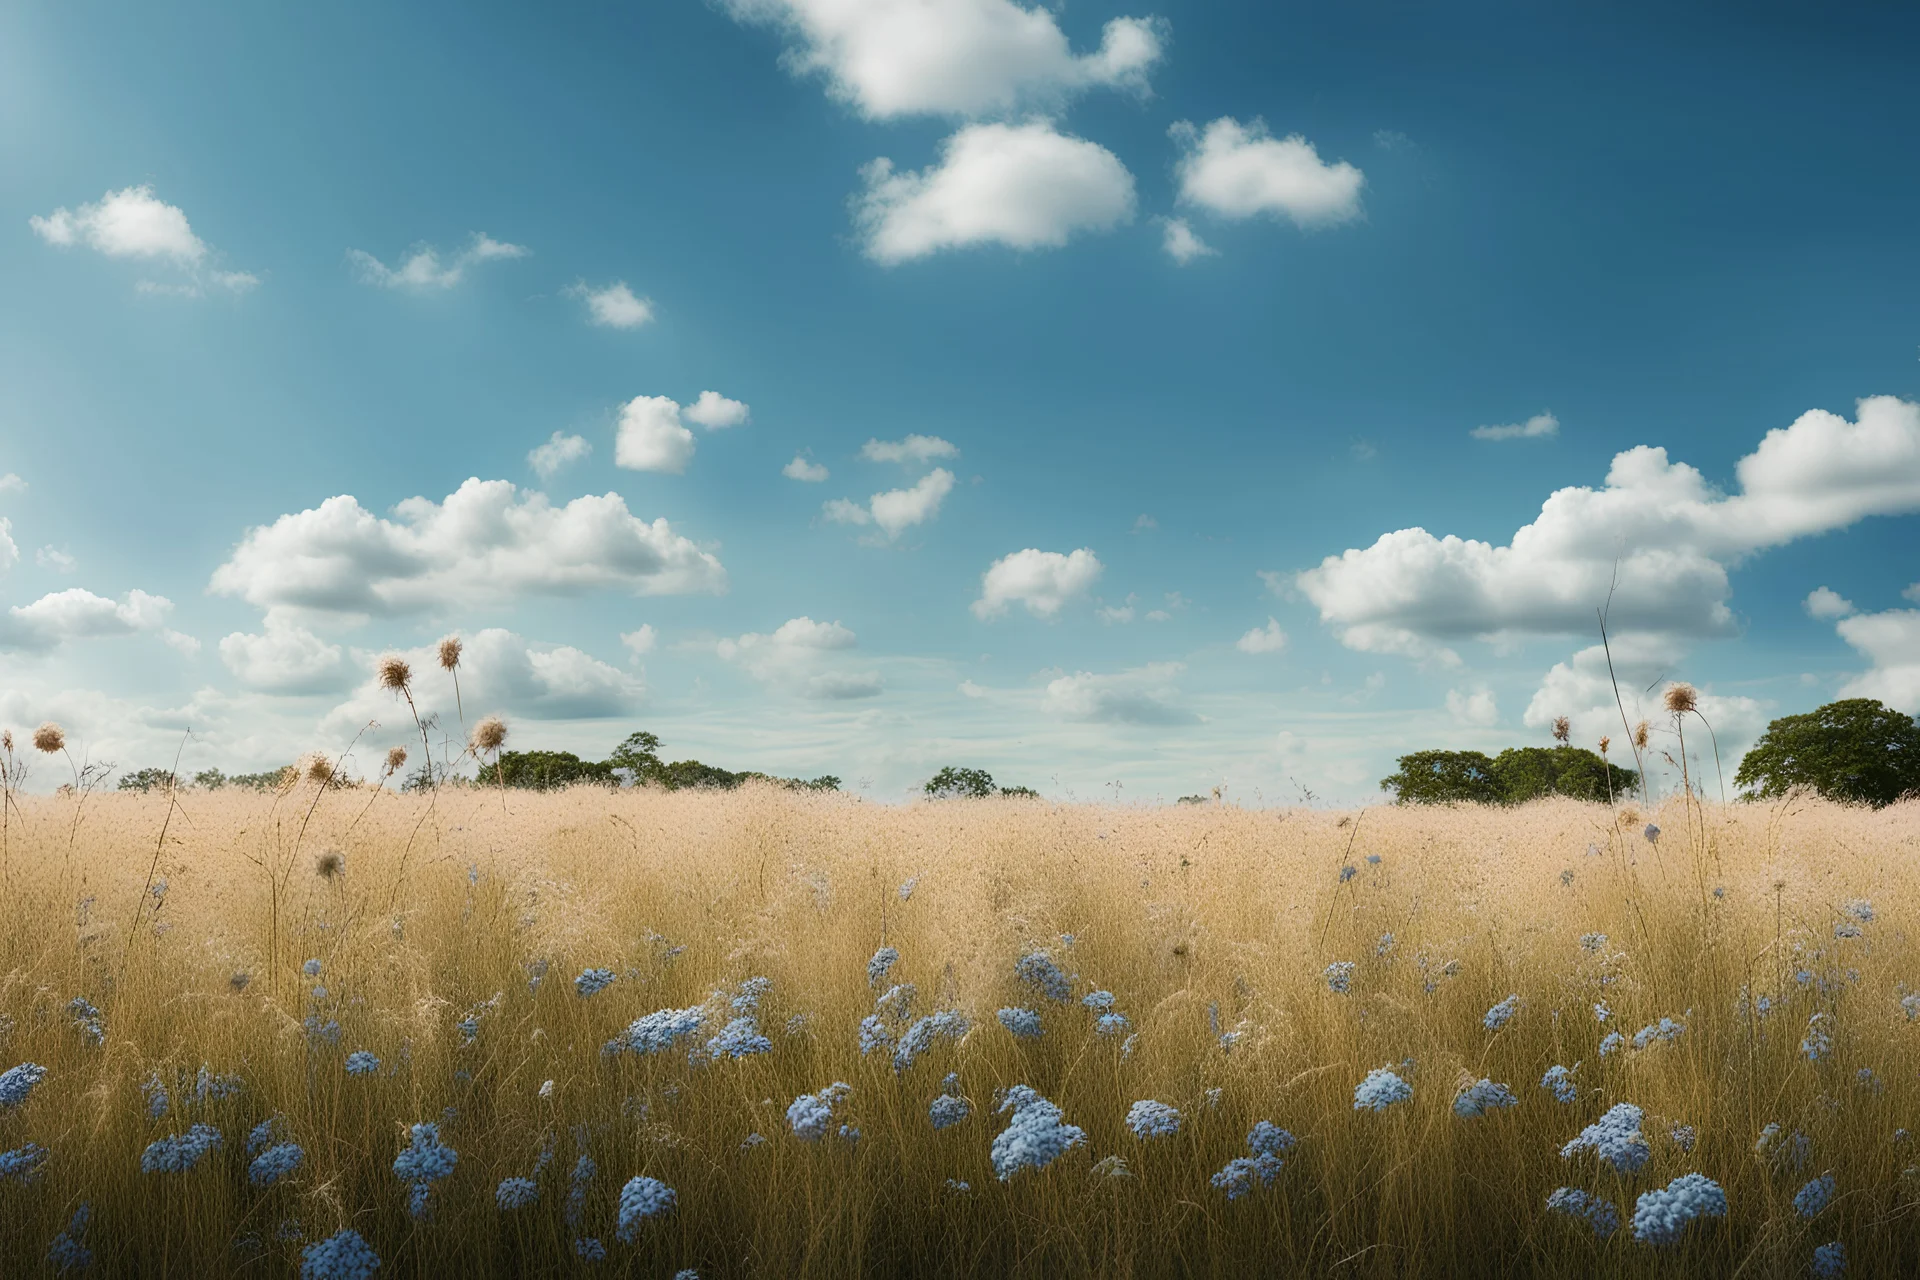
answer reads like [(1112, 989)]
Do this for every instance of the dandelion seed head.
[(1681, 698), (1562, 729), (329, 864), (393, 673), (396, 759)]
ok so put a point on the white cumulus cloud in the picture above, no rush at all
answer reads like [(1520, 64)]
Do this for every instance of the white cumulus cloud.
[(557, 452), (1239, 170), (893, 58), (651, 437), (802, 468), (487, 541), (11, 483), (1656, 534), (76, 614), (1824, 603), (795, 659), (1041, 580), (913, 449), (1025, 186), (9, 549), (1538, 426), (423, 269), (1182, 244), (1145, 695), (1267, 639), (715, 412), (614, 306), (896, 510), (285, 658), (135, 223), (1474, 708), (1891, 642), (46, 557), (641, 642)]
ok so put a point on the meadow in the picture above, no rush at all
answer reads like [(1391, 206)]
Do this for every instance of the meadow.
[(769, 1033)]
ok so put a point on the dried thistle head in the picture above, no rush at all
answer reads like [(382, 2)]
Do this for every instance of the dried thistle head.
[(329, 864), (396, 759), (1640, 735), (489, 734), (450, 652), (1562, 729), (1628, 817), (1605, 742), (317, 768), (6, 741), (50, 738), (394, 673), (1682, 698)]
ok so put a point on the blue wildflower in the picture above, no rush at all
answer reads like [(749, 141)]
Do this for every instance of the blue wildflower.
[(751, 993), (948, 1023), (874, 1035), (344, 1256), (1683, 1136), (1481, 1097), (536, 974), (262, 1135), (1601, 1013), (1664, 1031), (1559, 1081), (591, 982), (322, 1032), (1502, 1013), (1910, 1005), (589, 1250), (640, 1199), (740, 1038), (958, 1187), (157, 1100), (883, 961), (1111, 1024), (1860, 909), (423, 1162), (1599, 1214), (659, 1031), (1373, 859), (1593, 942), (86, 1019), (68, 1251), (1809, 1200), (362, 1063), (1383, 946), (23, 1164), (897, 1004), (1845, 929), (275, 1163), (1098, 1001), (1611, 1042), (17, 1082), (1819, 1038), (1268, 1139), (311, 968), (1830, 1260), (515, 1193), (1652, 833), (584, 1171), (1380, 1090), (1038, 971), (810, 1113), (849, 1133), (1024, 1023), (1348, 872), (1339, 976), (1035, 1135), (1661, 1215), (1615, 1138), (947, 1111), (907, 887), (1238, 1177), (180, 1152), (1150, 1119)]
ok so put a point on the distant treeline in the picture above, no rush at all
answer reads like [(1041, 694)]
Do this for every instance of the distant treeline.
[(1515, 776)]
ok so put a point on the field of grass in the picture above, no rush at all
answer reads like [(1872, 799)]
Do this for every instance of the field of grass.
[(273, 936)]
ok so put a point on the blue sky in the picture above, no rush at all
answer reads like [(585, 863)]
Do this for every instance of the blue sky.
[(1209, 294)]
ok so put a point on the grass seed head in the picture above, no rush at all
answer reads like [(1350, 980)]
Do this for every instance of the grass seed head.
[(329, 864), (394, 673), (1640, 735), (1682, 698), (450, 653), (1562, 729), (396, 759), (489, 734), (317, 768), (50, 738)]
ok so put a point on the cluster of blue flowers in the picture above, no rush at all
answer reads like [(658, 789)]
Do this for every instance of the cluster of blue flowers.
[(1268, 1142), (740, 1038), (880, 965), (69, 1250), (1038, 971), (1559, 1082), (1665, 1031), (1777, 1149), (1819, 1038), (1830, 1260), (274, 1164), (640, 1199), (947, 1024), (1339, 976), (424, 1161), (657, 1031), (1615, 1138), (1481, 1097), (1024, 1023), (591, 982), (23, 1164), (86, 1019), (1501, 1014), (180, 1152), (1150, 1119), (362, 1063), (1814, 1197), (948, 1110), (1599, 1214), (1382, 1088), (811, 1114), (515, 1193), (344, 1256), (1107, 1020), (17, 1082), (1036, 1134), (1662, 1214)]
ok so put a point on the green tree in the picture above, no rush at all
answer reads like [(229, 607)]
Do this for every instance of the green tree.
[(957, 783), (146, 780), (1854, 750), (546, 770), (682, 774), (639, 755), (1525, 773), (1445, 777)]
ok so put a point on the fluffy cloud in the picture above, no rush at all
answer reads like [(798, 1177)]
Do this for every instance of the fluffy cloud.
[(615, 306), (487, 541), (1823, 603), (46, 557), (715, 412), (1180, 242), (135, 223), (557, 452), (76, 614), (1891, 641), (285, 658), (11, 483), (1238, 171), (1025, 186), (1042, 580), (1667, 534), (423, 269), (1534, 428), (794, 659), (1144, 695), (1267, 639), (1476, 708), (640, 643), (914, 449), (500, 673), (803, 469), (9, 549), (1583, 690), (950, 57), (896, 510)]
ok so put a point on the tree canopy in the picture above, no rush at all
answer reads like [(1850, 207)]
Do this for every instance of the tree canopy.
[(1855, 750), (1517, 775), (955, 782)]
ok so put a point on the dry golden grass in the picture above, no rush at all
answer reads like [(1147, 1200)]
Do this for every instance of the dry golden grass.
[(427, 909)]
